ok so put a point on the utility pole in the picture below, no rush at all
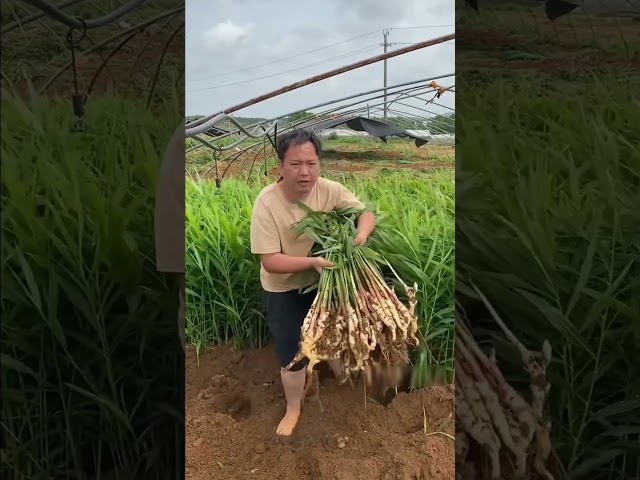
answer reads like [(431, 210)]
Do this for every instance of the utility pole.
[(385, 34), (385, 44)]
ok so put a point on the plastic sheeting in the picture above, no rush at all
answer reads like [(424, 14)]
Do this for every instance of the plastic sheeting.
[(374, 128)]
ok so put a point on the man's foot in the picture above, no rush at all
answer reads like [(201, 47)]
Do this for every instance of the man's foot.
[(288, 422)]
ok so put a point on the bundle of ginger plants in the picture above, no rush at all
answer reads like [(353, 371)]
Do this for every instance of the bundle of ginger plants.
[(355, 317)]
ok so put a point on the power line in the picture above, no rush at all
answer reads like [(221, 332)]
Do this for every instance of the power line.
[(423, 26), (362, 50), (451, 42), (285, 58), (307, 52)]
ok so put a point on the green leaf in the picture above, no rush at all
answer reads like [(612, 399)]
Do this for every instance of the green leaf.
[(557, 320)]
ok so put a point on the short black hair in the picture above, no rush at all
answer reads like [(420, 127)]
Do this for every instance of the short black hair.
[(297, 137)]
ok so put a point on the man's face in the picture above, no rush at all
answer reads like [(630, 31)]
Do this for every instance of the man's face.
[(301, 168)]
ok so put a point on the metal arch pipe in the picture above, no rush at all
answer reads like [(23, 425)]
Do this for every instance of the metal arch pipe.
[(144, 48), (203, 127), (415, 96), (306, 120), (105, 61), (232, 145), (337, 109), (355, 110), (349, 113), (253, 134), (136, 28), (159, 64), (199, 129), (338, 71), (73, 22), (33, 17), (349, 97)]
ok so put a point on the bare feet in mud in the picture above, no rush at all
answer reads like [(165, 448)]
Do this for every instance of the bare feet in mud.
[(288, 422)]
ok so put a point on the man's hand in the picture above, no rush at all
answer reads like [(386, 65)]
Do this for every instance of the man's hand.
[(360, 239), (319, 263)]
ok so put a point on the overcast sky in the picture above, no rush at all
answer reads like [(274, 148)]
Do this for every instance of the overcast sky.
[(227, 38)]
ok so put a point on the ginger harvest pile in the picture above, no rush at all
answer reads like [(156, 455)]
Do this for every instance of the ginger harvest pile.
[(499, 434), (355, 316)]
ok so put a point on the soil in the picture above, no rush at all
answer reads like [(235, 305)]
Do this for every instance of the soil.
[(342, 159), (579, 43), (126, 65), (234, 402)]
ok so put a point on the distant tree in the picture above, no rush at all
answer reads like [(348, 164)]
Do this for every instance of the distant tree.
[(442, 123), (296, 117)]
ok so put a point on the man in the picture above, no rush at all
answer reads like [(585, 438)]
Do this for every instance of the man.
[(286, 266), (170, 218)]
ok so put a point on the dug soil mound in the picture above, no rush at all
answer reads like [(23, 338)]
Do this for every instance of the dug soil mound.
[(234, 402)]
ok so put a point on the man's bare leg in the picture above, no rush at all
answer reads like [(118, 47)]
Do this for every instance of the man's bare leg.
[(293, 383)]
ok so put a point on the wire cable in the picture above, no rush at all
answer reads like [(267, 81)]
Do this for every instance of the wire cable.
[(73, 22), (283, 59), (423, 26), (303, 67)]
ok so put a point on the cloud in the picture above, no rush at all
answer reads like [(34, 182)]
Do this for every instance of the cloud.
[(261, 47), (226, 34)]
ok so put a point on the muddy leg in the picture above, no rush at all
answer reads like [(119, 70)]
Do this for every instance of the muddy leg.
[(294, 387)]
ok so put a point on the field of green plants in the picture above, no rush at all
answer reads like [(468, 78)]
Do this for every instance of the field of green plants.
[(86, 318), (547, 227), (415, 234)]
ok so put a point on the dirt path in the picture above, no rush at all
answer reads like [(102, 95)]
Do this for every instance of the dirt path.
[(234, 402)]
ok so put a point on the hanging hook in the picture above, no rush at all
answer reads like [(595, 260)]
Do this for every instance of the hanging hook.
[(218, 179), (77, 100)]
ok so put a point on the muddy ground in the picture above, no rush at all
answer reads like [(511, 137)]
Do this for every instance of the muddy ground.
[(505, 39), (234, 402), (365, 158)]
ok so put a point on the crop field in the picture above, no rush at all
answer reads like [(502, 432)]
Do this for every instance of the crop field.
[(230, 346), (415, 235), (84, 311), (562, 194), (81, 292)]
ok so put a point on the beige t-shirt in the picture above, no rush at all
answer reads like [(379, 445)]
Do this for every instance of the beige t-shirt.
[(169, 211), (271, 232)]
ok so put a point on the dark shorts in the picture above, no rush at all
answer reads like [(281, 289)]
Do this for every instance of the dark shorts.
[(285, 314)]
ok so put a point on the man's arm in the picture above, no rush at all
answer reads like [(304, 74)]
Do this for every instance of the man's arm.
[(169, 217), (181, 279), (281, 263), (265, 241), (366, 225)]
